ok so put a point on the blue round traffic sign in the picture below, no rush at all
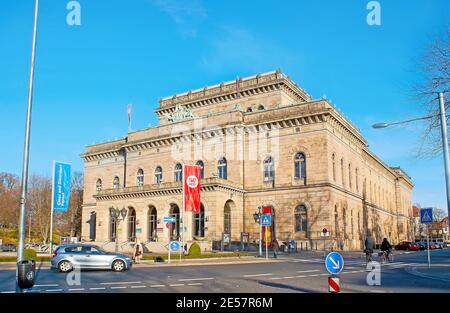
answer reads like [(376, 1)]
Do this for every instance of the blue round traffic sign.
[(174, 246), (334, 262)]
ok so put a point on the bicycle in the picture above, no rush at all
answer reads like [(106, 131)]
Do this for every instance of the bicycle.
[(386, 256), (368, 256)]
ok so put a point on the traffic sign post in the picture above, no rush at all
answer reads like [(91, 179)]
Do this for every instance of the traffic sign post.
[(266, 221), (173, 246), (324, 234), (334, 263), (426, 217)]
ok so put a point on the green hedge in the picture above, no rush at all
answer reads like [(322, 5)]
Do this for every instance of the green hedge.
[(194, 250)]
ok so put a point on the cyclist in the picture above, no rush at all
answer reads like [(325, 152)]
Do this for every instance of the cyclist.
[(369, 245), (386, 248)]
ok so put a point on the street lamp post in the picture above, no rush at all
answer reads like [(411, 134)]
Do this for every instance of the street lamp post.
[(257, 217), (443, 119), (115, 213)]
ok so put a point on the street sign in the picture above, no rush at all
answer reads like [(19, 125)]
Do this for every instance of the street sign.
[(266, 220), (334, 262), (169, 219), (426, 216), (324, 233), (174, 246), (138, 230), (333, 284)]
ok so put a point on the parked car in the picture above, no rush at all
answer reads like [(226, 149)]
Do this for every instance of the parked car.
[(8, 248), (83, 256), (421, 245), (407, 245)]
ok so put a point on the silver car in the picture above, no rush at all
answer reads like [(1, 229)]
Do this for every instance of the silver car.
[(83, 256)]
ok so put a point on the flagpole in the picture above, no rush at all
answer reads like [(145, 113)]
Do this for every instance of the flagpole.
[(51, 208), (183, 208)]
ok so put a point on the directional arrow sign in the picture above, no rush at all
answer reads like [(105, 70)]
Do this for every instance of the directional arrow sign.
[(334, 263), (174, 245), (169, 219)]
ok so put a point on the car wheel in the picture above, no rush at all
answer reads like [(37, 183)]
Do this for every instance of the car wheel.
[(65, 266), (118, 266)]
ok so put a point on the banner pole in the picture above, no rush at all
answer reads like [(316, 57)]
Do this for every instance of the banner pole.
[(51, 208), (183, 208)]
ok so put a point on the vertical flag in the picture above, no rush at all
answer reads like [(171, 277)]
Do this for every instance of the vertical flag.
[(61, 186), (191, 188), (130, 106)]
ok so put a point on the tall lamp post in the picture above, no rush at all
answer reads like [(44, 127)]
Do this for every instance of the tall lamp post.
[(26, 150), (443, 119), (116, 213), (257, 217)]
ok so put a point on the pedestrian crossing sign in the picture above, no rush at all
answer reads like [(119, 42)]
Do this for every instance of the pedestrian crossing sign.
[(266, 220), (426, 216)]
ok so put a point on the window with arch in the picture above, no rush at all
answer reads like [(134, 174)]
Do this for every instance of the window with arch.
[(260, 107), (342, 172), (131, 224), (98, 185), (152, 223), (249, 109), (116, 183), (158, 175), (333, 160), (140, 177), (336, 221), (356, 180), (202, 168), (300, 166), (222, 171), (199, 222), (301, 218), (344, 222), (269, 169), (178, 172)]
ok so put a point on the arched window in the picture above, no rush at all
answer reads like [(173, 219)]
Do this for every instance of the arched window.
[(269, 169), (249, 109), (175, 229), (356, 180), (116, 183), (300, 166), (199, 222), (344, 222), (202, 168), (336, 221), (333, 158), (260, 107), (140, 177), (342, 172), (178, 172), (158, 175), (152, 223), (131, 224), (222, 168), (98, 185), (301, 219), (227, 216)]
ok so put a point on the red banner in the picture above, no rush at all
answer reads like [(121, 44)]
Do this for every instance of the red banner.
[(191, 188)]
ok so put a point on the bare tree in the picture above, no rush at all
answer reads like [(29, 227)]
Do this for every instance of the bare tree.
[(435, 68), (9, 199), (39, 202)]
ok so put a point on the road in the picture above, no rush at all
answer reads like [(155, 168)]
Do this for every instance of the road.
[(303, 272)]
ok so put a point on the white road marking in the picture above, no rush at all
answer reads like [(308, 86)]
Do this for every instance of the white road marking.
[(315, 275), (309, 271), (48, 285), (324, 274), (97, 288), (9, 291), (275, 278), (288, 277), (138, 286), (76, 289), (255, 275), (156, 286), (118, 287), (53, 290), (300, 276), (195, 284), (122, 283), (176, 285), (192, 279)]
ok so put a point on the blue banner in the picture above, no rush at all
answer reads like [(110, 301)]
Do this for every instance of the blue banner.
[(61, 186)]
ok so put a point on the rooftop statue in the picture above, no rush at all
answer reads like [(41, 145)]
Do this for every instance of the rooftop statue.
[(181, 113)]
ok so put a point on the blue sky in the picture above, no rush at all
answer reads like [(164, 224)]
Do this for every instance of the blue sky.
[(139, 51)]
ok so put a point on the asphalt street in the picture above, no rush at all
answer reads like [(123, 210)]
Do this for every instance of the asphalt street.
[(302, 272)]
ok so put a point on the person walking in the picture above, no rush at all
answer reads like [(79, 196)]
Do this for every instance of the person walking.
[(369, 246), (275, 248), (137, 252)]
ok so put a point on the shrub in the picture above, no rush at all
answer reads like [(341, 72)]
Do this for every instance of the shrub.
[(194, 250), (30, 254)]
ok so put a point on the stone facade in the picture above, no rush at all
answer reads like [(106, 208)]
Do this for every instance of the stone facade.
[(300, 157)]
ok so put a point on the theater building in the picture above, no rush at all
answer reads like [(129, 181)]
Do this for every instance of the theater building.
[(261, 141)]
